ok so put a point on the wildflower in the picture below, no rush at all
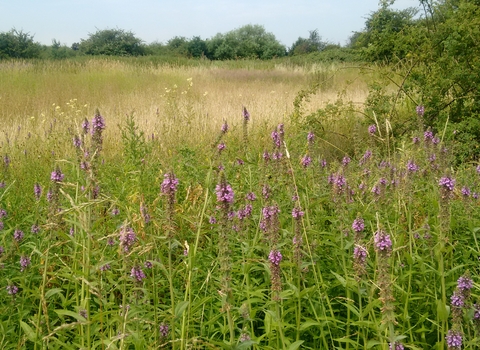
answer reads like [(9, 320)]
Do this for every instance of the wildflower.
[(169, 184), (77, 142), (224, 193), (224, 127), (24, 263), (346, 160), (420, 110), (465, 191), (323, 163), (447, 183), (85, 126), (464, 283), (396, 346), (212, 220), (83, 313), (37, 190), (35, 229), (246, 115), (127, 238), (306, 161), (454, 339), (372, 129), (358, 225), (115, 211), (297, 213), (57, 175), (275, 257), (148, 264), (98, 123), (137, 274), (366, 156), (12, 289), (427, 135), (266, 156), (244, 337), (276, 139), (411, 166), (457, 299), (164, 329), (18, 235), (221, 147), (105, 267), (3, 213), (310, 137), (49, 195), (359, 255), (251, 196), (382, 241), (416, 140)]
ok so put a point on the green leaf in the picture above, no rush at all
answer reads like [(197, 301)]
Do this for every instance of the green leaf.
[(180, 308), (372, 343), (295, 345), (52, 292), (28, 331), (75, 315), (308, 324)]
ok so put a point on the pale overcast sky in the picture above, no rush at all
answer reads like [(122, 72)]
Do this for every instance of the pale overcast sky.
[(68, 21)]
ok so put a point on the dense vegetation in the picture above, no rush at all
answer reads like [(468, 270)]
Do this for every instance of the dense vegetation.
[(247, 204)]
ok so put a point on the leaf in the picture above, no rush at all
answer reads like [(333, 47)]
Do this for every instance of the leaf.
[(295, 345), (340, 278), (372, 343), (52, 292), (75, 315), (180, 308), (308, 324), (28, 331)]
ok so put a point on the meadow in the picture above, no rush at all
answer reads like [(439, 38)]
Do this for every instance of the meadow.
[(228, 205)]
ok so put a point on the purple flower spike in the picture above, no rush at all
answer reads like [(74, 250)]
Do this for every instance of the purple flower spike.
[(37, 190), (358, 225), (24, 263), (18, 235), (454, 339), (57, 175), (169, 184), (297, 213), (372, 129), (224, 127), (420, 110), (164, 329), (137, 274), (224, 193), (383, 243), (12, 289), (447, 183), (310, 137), (465, 283), (98, 124), (306, 161), (275, 257), (246, 115)]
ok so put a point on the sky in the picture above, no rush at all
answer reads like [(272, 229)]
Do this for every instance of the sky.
[(69, 21)]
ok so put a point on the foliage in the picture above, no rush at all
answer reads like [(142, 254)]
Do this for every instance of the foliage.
[(250, 41), (112, 42), (17, 44), (303, 46)]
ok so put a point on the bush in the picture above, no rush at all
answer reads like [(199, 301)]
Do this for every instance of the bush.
[(17, 44), (112, 42)]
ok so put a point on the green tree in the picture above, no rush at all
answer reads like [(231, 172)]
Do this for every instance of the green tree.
[(112, 42), (197, 47), (17, 44), (250, 41), (313, 43)]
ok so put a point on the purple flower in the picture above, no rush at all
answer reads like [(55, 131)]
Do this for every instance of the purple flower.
[(372, 129), (251, 196), (310, 137), (148, 264), (323, 163), (396, 346), (464, 283), (454, 339), (24, 263), (457, 300), (416, 140), (12, 289), (49, 195), (169, 184), (137, 274), (37, 190), (297, 213), (164, 329), (18, 235), (77, 142), (57, 175), (358, 225), (98, 124), (276, 139), (35, 229), (360, 254), (85, 126), (411, 166), (306, 161), (420, 110), (427, 135), (465, 191), (447, 183), (266, 156), (275, 257), (3, 213), (105, 267), (115, 211), (224, 127), (382, 241), (221, 147), (346, 160), (246, 115), (224, 193), (367, 155), (212, 220), (127, 238), (83, 313)]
